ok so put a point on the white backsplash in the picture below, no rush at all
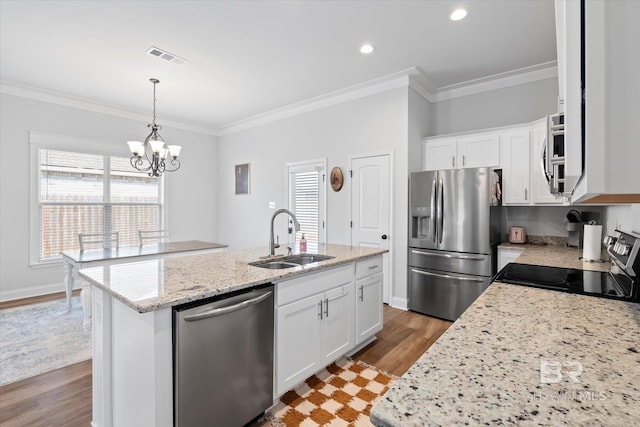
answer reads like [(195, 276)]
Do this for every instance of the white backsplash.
[(624, 217), (542, 220)]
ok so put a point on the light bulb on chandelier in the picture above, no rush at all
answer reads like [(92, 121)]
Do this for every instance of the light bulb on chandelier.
[(151, 155)]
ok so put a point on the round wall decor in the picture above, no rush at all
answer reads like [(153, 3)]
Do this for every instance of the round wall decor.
[(337, 179)]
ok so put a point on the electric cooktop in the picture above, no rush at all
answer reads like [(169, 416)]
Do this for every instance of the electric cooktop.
[(593, 283)]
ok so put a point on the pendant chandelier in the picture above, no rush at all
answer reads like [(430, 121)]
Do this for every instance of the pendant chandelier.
[(153, 155)]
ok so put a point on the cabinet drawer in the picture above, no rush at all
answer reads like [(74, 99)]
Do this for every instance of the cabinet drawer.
[(307, 285), (368, 267)]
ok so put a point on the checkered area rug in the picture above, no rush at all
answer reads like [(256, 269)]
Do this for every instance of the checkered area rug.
[(339, 396)]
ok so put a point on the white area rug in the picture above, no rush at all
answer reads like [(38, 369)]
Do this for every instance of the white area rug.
[(39, 338)]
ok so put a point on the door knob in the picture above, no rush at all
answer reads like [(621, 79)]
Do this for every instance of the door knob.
[(384, 237)]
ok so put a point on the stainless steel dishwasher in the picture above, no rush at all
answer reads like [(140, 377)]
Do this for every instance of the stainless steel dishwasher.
[(223, 359)]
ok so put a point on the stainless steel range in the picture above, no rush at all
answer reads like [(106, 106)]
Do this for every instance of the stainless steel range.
[(621, 283)]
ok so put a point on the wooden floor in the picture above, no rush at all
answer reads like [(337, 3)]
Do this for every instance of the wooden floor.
[(63, 397)]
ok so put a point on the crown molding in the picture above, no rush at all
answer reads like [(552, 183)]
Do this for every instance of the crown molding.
[(520, 76), (371, 87), (411, 77), (51, 97)]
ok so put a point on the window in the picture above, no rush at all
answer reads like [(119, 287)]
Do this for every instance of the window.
[(307, 200), (87, 192)]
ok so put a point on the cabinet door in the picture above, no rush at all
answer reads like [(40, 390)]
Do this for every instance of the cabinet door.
[(540, 193), (338, 323), (368, 307), (439, 154), (476, 151), (515, 167), (298, 342)]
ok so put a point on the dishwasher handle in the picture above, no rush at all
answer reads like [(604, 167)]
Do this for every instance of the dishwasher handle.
[(224, 310)]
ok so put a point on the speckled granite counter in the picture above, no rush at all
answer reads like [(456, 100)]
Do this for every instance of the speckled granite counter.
[(149, 285), (556, 256), (486, 369)]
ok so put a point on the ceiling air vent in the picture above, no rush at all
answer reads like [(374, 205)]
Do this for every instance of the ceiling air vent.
[(163, 54)]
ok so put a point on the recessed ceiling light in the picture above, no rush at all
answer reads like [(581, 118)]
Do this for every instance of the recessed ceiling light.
[(458, 14), (367, 49)]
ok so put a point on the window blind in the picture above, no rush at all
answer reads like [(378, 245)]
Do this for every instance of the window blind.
[(92, 194), (305, 187)]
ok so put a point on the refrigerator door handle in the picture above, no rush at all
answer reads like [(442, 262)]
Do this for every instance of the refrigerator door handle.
[(447, 276), (433, 207), (448, 255), (440, 209)]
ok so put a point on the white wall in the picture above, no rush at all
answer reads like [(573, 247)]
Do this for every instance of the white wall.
[(502, 107), (192, 205), (374, 124), (543, 220)]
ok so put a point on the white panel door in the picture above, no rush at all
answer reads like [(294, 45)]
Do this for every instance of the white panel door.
[(439, 154), (371, 207), (368, 307), (476, 151), (515, 167), (298, 342), (338, 326)]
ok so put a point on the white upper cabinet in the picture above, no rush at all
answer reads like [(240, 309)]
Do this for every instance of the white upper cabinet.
[(480, 150), (611, 66), (440, 154), (468, 151), (517, 150), (514, 148)]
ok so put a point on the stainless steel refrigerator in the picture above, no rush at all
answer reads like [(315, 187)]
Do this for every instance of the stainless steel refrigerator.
[(454, 230)]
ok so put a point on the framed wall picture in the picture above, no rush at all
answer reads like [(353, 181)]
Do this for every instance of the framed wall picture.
[(242, 178)]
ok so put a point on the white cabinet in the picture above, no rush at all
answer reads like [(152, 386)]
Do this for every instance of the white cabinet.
[(611, 93), (315, 324), (514, 147), (507, 255), (467, 151), (336, 332), (481, 150), (369, 317), (440, 154)]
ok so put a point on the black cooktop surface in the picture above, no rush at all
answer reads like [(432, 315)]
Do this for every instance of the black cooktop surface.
[(593, 283)]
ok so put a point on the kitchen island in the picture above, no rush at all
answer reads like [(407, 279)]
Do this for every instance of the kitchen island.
[(133, 328), (486, 369)]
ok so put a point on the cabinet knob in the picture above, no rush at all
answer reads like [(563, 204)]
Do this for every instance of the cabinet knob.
[(384, 237)]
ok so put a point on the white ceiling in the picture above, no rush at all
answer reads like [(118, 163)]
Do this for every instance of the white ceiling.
[(251, 57)]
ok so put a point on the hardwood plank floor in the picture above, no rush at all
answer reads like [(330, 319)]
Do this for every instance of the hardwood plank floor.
[(63, 397)]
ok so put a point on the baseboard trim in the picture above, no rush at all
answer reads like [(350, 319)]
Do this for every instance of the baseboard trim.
[(35, 291), (401, 303)]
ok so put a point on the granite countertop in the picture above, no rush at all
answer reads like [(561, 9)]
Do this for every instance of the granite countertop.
[(486, 368), (557, 256), (168, 281)]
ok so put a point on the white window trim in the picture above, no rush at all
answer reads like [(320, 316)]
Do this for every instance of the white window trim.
[(40, 140), (322, 235)]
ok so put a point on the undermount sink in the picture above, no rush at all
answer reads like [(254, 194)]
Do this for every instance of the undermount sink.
[(273, 265), (290, 261), (306, 258)]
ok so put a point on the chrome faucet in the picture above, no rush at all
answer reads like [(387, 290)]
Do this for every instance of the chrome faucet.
[(296, 224)]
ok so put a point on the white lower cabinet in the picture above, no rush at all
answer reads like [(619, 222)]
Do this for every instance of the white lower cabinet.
[(368, 307), (315, 324), (323, 316)]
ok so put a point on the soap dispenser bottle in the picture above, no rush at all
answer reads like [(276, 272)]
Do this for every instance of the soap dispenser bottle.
[(303, 244)]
